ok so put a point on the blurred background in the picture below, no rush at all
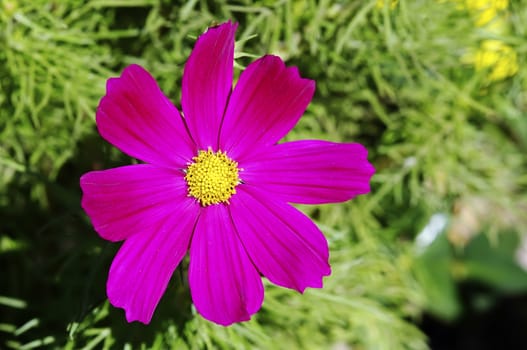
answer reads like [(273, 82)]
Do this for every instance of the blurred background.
[(434, 257)]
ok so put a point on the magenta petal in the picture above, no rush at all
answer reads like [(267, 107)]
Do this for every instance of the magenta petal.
[(128, 200), (310, 172), (142, 268), (207, 83), (265, 105), (136, 117), (225, 286), (284, 244)]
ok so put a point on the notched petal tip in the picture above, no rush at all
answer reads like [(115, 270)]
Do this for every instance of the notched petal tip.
[(227, 24), (128, 73), (315, 284), (84, 182), (230, 322), (310, 84), (84, 179), (131, 315), (291, 72), (367, 169)]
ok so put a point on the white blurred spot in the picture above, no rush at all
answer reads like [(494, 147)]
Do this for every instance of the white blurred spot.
[(409, 162), (521, 253), (435, 226)]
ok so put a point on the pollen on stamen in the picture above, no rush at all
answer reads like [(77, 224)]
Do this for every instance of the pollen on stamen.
[(212, 177)]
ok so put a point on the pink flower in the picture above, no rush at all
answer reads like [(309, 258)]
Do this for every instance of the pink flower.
[(216, 183)]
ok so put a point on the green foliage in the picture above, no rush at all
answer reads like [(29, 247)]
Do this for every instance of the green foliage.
[(442, 137)]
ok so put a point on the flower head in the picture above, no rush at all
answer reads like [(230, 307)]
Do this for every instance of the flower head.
[(381, 3), (498, 59), (485, 10), (216, 184)]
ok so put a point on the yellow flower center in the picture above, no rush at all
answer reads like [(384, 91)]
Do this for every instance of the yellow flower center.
[(212, 177)]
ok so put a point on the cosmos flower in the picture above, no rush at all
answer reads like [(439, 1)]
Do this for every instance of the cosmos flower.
[(215, 183)]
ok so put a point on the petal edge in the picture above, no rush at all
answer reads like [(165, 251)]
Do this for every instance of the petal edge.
[(143, 266), (224, 284), (310, 171), (266, 104), (136, 117), (123, 201), (207, 83), (284, 244)]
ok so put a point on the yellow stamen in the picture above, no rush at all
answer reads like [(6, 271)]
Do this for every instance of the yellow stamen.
[(212, 177)]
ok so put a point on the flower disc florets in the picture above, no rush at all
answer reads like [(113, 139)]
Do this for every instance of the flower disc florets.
[(212, 177)]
